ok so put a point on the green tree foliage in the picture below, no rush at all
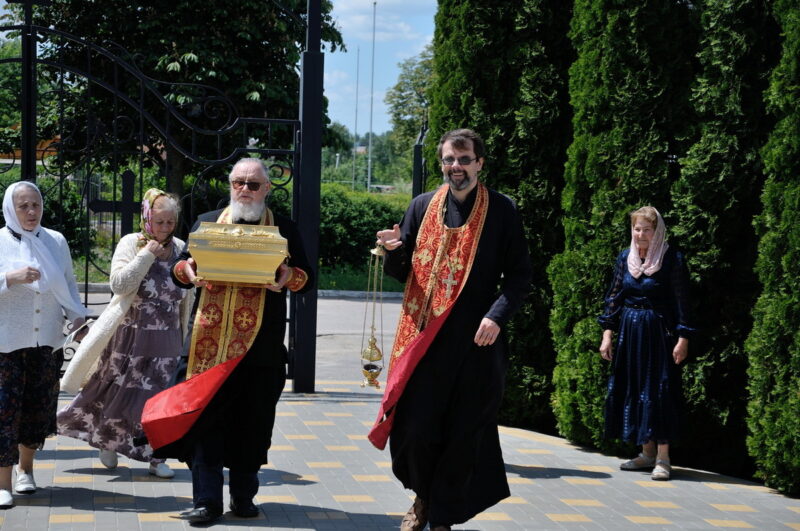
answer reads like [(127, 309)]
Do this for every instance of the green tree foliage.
[(338, 138), (248, 49), (629, 92), (714, 202), (408, 99), (509, 85), (10, 83), (773, 347)]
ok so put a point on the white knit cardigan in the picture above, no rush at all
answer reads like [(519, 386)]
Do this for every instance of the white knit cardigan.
[(128, 269)]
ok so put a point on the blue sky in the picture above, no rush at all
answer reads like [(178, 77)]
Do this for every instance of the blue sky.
[(402, 29)]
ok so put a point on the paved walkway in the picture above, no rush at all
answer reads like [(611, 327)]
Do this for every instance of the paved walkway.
[(325, 475)]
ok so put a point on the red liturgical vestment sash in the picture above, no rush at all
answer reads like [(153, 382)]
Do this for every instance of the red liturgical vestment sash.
[(226, 323), (440, 266)]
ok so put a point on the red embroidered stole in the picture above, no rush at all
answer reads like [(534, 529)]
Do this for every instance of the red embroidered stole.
[(440, 266), (227, 320)]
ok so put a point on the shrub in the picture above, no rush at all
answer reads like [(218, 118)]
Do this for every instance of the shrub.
[(773, 346), (349, 221)]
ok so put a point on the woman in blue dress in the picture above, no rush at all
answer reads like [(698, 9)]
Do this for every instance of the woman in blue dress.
[(647, 306)]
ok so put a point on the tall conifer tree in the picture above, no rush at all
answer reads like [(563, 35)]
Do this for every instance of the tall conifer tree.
[(629, 91), (773, 347), (500, 69), (714, 202)]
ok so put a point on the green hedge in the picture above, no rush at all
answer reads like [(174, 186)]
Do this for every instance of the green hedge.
[(715, 200), (773, 347), (349, 221)]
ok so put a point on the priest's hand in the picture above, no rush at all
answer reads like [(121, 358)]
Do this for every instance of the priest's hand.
[(488, 333), (190, 270), (390, 239), (282, 276)]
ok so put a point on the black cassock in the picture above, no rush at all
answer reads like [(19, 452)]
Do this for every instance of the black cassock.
[(444, 442), (244, 407)]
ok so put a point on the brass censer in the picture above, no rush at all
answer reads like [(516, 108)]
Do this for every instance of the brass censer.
[(372, 356)]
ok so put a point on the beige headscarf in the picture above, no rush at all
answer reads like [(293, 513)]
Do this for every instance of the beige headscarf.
[(655, 252)]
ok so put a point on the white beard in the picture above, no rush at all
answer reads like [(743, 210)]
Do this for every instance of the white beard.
[(247, 211)]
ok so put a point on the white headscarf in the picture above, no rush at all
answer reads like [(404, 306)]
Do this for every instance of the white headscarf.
[(34, 253), (655, 251)]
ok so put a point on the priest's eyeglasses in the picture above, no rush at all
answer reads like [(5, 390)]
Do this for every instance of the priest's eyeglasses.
[(253, 186), (463, 161)]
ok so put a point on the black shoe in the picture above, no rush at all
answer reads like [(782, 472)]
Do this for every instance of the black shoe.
[(201, 515), (244, 508)]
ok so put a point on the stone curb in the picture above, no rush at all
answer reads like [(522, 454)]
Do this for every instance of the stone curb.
[(102, 287)]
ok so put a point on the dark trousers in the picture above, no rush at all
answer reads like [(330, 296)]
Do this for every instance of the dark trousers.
[(208, 479), (237, 432)]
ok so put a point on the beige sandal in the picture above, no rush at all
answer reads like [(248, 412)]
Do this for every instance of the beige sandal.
[(639, 462), (661, 471)]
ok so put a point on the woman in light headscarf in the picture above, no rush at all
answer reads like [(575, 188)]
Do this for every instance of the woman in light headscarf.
[(648, 306), (37, 289), (131, 352)]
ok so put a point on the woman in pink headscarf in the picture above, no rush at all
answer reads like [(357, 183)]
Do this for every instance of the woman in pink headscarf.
[(647, 306), (130, 353)]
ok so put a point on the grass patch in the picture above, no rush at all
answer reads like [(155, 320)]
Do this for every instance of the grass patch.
[(102, 259), (348, 278)]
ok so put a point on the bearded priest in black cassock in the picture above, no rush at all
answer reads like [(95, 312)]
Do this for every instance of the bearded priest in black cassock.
[(463, 255), (222, 415)]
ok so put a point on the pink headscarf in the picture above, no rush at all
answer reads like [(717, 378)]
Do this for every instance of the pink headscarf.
[(655, 251)]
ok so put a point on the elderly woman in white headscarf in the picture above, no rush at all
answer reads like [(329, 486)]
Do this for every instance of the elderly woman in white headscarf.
[(648, 306), (37, 289)]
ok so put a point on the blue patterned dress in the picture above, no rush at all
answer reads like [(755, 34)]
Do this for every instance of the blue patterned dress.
[(644, 398)]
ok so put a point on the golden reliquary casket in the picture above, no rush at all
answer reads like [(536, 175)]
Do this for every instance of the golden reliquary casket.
[(247, 254)]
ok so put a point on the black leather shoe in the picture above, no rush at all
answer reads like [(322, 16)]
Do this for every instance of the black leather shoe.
[(201, 515), (244, 508)]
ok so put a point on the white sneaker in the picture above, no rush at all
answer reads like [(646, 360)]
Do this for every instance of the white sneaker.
[(161, 470), (6, 499), (108, 458), (25, 483)]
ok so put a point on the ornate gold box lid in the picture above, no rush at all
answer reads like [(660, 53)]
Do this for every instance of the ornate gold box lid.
[(248, 254)]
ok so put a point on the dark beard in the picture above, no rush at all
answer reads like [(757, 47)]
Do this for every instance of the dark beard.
[(459, 186)]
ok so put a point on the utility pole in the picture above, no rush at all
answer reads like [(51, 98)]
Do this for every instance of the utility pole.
[(371, 97), (355, 126)]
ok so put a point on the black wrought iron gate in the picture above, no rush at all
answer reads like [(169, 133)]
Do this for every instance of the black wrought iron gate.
[(95, 132)]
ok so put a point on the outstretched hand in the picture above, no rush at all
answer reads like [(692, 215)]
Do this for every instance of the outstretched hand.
[(390, 239)]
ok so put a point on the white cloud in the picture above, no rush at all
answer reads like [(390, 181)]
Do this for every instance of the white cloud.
[(399, 7), (388, 28), (336, 77)]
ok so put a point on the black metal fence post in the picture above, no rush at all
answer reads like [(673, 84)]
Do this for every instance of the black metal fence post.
[(306, 199), (28, 93)]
